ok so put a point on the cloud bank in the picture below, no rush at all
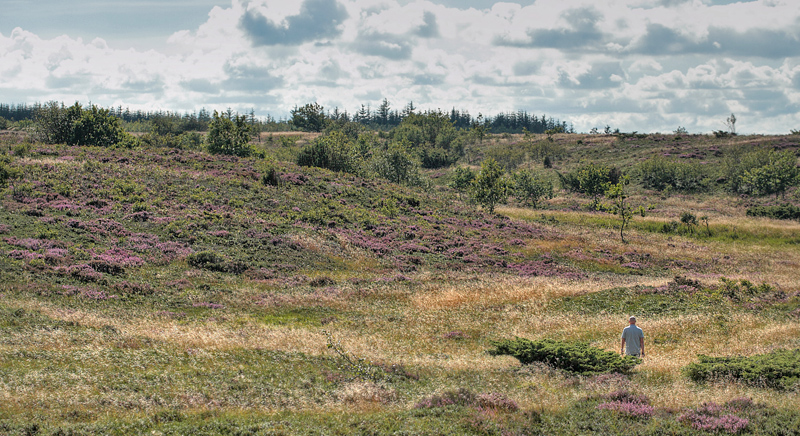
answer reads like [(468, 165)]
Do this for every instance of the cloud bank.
[(646, 65)]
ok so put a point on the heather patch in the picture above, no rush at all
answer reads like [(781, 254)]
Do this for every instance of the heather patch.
[(627, 404), (714, 417)]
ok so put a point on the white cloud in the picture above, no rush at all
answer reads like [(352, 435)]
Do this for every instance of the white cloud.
[(635, 64)]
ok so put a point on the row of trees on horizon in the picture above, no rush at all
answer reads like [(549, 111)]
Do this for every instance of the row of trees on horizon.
[(384, 118)]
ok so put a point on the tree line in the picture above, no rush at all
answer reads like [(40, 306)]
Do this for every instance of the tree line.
[(312, 117)]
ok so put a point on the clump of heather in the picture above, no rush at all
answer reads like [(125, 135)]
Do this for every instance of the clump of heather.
[(492, 401), (716, 417), (459, 397), (496, 401), (82, 272), (132, 288), (208, 305), (454, 335), (627, 403)]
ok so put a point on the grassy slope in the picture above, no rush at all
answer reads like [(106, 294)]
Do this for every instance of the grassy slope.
[(106, 323)]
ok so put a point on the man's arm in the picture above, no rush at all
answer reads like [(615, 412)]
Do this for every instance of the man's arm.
[(622, 348), (641, 345)]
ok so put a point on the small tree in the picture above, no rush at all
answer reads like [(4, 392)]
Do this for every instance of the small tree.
[(229, 135), (309, 118), (590, 179), (479, 127), (397, 166), (619, 205), (333, 151), (689, 220), (462, 179), (730, 123), (74, 125), (775, 177), (490, 186), (529, 188)]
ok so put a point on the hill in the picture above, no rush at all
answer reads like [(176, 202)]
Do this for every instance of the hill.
[(167, 290)]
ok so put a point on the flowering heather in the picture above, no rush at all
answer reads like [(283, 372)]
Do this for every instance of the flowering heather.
[(94, 294), (635, 410), (496, 401), (81, 272), (220, 233), (172, 250), (140, 242), (728, 423), (208, 305), (4, 228), (119, 257), (140, 217), (460, 397), (455, 335), (716, 417), (33, 244), (294, 179), (24, 255), (127, 287), (633, 265)]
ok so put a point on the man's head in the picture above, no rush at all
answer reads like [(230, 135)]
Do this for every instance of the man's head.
[(632, 320)]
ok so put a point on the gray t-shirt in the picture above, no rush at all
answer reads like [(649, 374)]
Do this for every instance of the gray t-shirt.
[(632, 334)]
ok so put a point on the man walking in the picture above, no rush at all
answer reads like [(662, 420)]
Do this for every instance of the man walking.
[(632, 339)]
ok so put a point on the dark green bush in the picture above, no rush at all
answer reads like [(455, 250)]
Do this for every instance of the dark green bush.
[(206, 260), (779, 369), (271, 177), (590, 179), (659, 173), (577, 357), (333, 151), (779, 212), (74, 125), (229, 135)]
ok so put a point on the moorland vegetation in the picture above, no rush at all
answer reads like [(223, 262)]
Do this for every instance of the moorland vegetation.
[(430, 276)]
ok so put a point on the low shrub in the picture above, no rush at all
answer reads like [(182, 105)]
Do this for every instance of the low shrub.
[(576, 357), (205, 260), (659, 174), (465, 398), (779, 369), (715, 417), (459, 397), (779, 212)]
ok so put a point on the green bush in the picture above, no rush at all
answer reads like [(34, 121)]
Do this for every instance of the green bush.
[(576, 357), (229, 135), (529, 188), (7, 172), (778, 370), (739, 162), (778, 173), (333, 151), (659, 173), (590, 179), (309, 118), (74, 125), (490, 186), (397, 166), (779, 212)]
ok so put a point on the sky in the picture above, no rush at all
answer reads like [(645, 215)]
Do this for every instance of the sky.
[(635, 65)]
